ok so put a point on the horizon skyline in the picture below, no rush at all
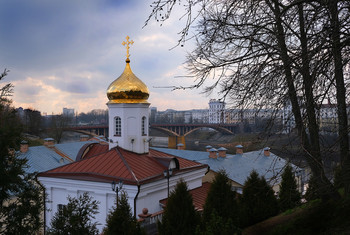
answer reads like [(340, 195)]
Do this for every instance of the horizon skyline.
[(106, 109), (65, 54)]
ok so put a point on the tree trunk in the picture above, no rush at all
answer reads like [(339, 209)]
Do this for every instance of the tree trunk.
[(315, 151), (312, 154), (341, 93)]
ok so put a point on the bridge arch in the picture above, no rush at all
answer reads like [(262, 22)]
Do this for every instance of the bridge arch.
[(163, 129), (222, 130)]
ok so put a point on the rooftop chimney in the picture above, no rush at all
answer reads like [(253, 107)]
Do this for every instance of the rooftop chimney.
[(84, 138), (222, 152), (239, 149), (180, 146), (208, 147), (267, 151), (24, 146), (213, 153), (49, 142)]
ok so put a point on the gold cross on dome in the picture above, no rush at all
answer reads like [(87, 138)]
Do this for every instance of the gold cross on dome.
[(127, 43)]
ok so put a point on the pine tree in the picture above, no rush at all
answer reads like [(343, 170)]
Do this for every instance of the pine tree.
[(20, 198), (258, 200), (121, 221), (312, 191), (179, 215), (221, 206), (338, 178), (289, 196), (217, 225), (75, 217)]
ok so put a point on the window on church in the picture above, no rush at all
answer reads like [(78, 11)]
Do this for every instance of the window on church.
[(118, 126), (143, 126)]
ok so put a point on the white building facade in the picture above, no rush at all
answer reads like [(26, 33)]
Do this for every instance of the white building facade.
[(139, 197), (216, 111)]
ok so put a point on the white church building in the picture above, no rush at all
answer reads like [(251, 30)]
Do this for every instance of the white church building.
[(127, 159)]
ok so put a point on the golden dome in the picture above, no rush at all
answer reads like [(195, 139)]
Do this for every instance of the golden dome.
[(127, 88)]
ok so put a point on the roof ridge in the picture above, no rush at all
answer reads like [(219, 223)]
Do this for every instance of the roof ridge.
[(170, 155), (155, 161), (92, 174), (126, 164), (88, 147), (62, 154), (74, 162)]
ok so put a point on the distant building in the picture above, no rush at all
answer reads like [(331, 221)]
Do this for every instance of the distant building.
[(200, 115), (216, 114), (152, 114), (327, 116), (217, 111), (250, 116), (68, 112)]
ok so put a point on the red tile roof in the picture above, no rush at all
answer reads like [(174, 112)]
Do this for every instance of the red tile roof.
[(199, 195), (103, 165)]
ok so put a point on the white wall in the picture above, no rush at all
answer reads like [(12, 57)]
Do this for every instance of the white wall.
[(131, 120), (150, 194)]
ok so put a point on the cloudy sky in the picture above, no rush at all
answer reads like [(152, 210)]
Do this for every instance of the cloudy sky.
[(65, 53)]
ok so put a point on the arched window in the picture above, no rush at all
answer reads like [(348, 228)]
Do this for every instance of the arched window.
[(143, 126), (118, 126)]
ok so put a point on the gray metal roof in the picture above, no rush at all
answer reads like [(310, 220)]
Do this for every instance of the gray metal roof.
[(238, 166), (72, 149), (42, 158)]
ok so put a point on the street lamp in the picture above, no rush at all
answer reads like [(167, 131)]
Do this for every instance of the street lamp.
[(167, 174), (116, 188)]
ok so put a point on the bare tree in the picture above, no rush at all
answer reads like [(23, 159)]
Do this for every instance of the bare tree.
[(338, 12), (58, 125), (261, 53)]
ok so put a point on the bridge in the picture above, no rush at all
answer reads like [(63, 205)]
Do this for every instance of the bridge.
[(95, 130), (176, 132), (186, 129)]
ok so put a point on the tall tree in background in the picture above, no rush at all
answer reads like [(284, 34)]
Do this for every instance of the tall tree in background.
[(75, 217), (221, 207), (121, 221), (58, 124), (289, 196), (179, 215), (20, 199), (261, 53), (32, 121), (338, 13)]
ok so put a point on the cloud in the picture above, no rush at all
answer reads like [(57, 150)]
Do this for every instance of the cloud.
[(66, 53)]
